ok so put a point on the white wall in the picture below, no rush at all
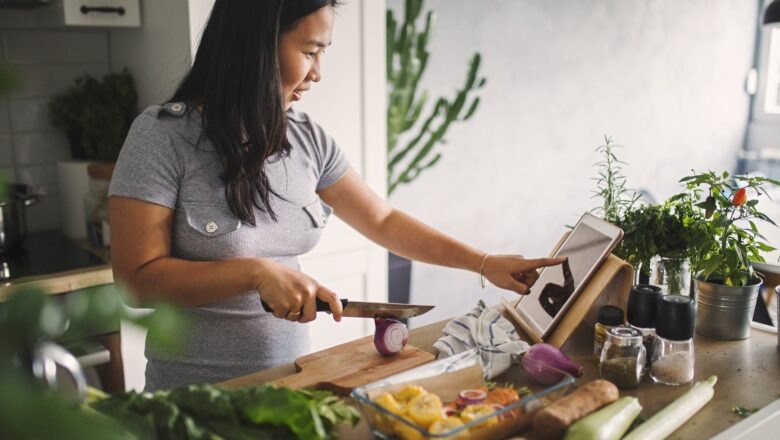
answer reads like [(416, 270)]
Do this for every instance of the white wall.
[(663, 78)]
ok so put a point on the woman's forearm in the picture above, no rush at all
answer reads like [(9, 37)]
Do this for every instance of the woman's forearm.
[(408, 237), (192, 283)]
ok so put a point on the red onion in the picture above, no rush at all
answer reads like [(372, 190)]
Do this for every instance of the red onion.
[(469, 397), (390, 336), (543, 364)]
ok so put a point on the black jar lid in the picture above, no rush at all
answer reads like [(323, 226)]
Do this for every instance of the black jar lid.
[(610, 315), (643, 304), (675, 318)]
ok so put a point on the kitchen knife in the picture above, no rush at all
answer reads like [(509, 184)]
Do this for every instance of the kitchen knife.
[(359, 309)]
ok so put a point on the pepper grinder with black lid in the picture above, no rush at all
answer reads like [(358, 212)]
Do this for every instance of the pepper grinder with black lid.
[(673, 352), (640, 314)]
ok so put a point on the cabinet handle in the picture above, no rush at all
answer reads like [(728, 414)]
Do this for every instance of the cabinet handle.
[(105, 9)]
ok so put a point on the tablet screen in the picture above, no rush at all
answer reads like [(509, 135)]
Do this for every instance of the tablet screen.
[(584, 248)]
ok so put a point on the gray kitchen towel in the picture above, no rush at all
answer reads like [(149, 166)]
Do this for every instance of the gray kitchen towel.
[(487, 330)]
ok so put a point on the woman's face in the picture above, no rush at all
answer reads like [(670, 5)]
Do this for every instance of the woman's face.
[(300, 51)]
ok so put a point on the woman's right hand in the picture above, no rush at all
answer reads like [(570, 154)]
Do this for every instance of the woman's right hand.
[(292, 294)]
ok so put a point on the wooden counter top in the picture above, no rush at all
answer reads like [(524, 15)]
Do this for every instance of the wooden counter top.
[(748, 375), (66, 281)]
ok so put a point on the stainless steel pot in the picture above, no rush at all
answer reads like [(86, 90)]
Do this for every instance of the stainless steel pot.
[(13, 222)]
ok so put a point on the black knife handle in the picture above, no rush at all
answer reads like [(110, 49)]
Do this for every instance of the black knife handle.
[(322, 306)]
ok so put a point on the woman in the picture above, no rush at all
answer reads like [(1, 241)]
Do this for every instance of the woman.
[(218, 191)]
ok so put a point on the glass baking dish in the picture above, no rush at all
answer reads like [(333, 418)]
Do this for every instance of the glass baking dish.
[(447, 378)]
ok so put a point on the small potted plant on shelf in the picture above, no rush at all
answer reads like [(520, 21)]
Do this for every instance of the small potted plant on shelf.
[(723, 210), (95, 115)]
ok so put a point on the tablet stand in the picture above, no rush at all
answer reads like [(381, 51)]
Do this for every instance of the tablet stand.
[(609, 285)]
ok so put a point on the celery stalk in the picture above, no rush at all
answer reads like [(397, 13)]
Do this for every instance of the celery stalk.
[(608, 423), (676, 413)]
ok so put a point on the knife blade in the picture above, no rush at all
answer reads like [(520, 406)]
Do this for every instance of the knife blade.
[(360, 309)]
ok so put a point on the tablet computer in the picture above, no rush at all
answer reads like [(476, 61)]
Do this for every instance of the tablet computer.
[(586, 248)]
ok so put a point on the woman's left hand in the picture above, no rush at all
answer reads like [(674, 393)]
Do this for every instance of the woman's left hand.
[(513, 272)]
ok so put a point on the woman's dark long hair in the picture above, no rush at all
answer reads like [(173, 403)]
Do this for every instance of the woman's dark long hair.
[(235, 81)]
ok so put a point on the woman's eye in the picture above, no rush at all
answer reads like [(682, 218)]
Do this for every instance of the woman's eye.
[(311, 54)]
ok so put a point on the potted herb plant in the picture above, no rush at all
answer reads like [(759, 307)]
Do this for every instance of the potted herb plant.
[(657, 239), (657, 242), (724, 211), (95, 115)]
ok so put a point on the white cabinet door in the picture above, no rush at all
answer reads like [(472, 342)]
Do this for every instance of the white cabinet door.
[(96, 13), (345, 274), (349, 103), (353, 275)]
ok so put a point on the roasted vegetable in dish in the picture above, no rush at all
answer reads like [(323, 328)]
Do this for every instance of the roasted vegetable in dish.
[(425, 411), (208, 412)]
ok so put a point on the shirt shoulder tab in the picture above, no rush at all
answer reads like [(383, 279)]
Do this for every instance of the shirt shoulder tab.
[(177, 109)]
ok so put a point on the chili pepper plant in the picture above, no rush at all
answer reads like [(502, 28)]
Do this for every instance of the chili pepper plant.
[(724, 211)]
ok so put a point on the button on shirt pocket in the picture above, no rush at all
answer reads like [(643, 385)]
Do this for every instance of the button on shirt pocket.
[(210, 220), (318, 212)]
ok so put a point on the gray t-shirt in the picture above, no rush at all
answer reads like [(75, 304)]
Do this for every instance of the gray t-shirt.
[(167, 160)]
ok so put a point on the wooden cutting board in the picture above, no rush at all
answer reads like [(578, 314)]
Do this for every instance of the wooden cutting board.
[(347, 366)]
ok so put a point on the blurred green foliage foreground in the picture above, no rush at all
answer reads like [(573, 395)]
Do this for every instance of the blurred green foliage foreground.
[(28, 409)]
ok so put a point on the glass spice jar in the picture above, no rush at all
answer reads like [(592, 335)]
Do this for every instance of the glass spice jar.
[(673, 353), (96, 204), (608, 317), (623, 357)]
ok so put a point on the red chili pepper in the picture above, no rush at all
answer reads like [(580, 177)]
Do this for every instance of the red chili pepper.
[(740, 197)]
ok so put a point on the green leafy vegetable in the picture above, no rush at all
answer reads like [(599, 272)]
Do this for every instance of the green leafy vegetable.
[(209, 412), (742, 411)]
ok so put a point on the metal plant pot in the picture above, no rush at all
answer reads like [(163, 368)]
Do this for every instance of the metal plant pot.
[(725, 312)]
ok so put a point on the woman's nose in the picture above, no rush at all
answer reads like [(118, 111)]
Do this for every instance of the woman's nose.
[(314, 73)]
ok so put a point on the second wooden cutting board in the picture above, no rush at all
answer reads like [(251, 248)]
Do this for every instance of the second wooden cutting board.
[(347, 366)]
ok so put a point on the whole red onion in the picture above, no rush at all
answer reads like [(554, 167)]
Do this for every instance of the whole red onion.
[(543, 363)]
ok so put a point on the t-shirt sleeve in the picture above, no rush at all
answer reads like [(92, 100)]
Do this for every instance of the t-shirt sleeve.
[(332, 160), (148, 167)]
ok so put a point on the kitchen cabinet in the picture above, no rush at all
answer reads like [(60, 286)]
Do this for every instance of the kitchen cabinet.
[(97, 13), (68, 270), (350, 104)]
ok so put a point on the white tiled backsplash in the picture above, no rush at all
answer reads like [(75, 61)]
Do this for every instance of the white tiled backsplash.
[(48, 61)]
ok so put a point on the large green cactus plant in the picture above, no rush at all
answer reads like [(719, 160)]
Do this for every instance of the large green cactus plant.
[(407, 58)]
